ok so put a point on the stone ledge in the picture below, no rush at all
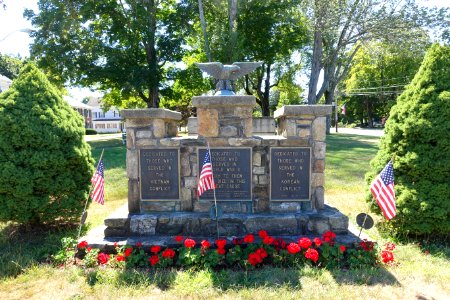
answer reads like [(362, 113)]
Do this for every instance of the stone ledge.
[(223, 101), (151, 113), (298, 110)]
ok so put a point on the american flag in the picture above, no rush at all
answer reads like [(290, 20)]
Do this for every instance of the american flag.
[(98, 180), (206, 180), (382, 189)]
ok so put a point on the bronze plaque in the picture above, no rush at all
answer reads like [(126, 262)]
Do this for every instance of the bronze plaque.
[(290, 174), (159, 174), (232, 173)]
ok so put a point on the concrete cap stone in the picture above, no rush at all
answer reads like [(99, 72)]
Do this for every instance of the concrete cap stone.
[(151, 113), (298, 110), (218, 101)]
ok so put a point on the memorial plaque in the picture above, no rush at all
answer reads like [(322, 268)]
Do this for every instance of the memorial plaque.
[(232, 173), (290, 174), (159, 174)]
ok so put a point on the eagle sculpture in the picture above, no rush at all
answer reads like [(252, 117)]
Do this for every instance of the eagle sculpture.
[(227, 74)]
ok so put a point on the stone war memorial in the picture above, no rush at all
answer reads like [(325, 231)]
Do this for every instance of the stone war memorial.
[(272, 181)]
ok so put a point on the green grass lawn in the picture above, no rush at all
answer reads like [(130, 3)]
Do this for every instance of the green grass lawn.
[(423, 270)]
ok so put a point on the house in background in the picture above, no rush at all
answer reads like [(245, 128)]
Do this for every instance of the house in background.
[(84, 110), (5, 83), (103, 122)]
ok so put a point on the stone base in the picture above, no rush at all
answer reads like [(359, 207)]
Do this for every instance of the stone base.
[(197, 224)]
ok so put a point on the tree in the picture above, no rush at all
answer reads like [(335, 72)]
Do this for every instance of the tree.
[(45, 164), (377, 76), (10, 66), (118, 46), (266, 31), (417, 136), (340, 28)]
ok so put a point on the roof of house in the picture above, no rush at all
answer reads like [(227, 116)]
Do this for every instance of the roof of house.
[(94, 101), (75, 103), (5, 83)]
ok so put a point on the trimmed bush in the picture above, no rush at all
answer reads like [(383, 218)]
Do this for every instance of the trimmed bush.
[(90, 131), (45, 165), (417, 135)]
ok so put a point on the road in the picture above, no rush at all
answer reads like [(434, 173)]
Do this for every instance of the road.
[(359, 131)]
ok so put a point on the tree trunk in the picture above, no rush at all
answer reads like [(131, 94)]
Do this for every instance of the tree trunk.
[(232, 14), (150, 47), (316, 65), (205, 34)]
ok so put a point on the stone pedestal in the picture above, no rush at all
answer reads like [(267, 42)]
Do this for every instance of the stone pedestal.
[(306, 125), (224, 116), (146, 128)]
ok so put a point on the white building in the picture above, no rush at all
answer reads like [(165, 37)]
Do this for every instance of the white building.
[(104, 122), (84, 110), (5, 83)]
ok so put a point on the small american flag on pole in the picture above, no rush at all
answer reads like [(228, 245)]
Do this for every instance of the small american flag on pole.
[(206, 180), (382, 189), (98, 180)]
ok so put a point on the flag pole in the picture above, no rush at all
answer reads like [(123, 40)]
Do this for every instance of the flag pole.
[(87, 200), (214, 191)]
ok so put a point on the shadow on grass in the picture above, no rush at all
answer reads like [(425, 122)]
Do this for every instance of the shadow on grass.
[(22, 247)]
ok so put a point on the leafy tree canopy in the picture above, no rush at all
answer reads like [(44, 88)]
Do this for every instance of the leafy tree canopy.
[(117, 46), (10, 66)]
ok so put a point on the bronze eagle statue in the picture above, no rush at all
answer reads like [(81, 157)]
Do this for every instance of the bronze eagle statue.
[(226, 74)]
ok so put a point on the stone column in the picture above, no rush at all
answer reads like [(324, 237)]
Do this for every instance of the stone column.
[(145, 128), (306, 124), (224, 116)]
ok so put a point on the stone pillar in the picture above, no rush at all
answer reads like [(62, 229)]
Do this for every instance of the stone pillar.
[(146, 128), (224, 116), (306, 125)]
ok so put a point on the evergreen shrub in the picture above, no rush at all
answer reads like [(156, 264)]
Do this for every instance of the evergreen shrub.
[(417, 136), (90, 131), (45, 164)]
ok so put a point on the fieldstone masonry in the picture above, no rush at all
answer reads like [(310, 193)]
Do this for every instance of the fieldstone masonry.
[(224, 122)]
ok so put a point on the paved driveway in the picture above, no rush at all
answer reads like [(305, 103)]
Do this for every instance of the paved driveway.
[(359, 131)]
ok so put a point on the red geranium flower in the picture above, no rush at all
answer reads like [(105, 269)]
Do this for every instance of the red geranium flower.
[(154, 259), (329, 237), (390, 246), (293, 248), (205, 244), (367, 245), (120, 258), (128, 251), (312, 254), (102, 258), (317, 242), (168, 253), (342, 248), (249, 238), (304, 242), (387, 256), (262, 234), (82, 245), (189, 243), (262, 253), (221, 243), (254, 259), (237, 241), (116, 245), (221, 251), (139, 244), (88, 249), (268, 240), (178, 238), (155, 249)]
